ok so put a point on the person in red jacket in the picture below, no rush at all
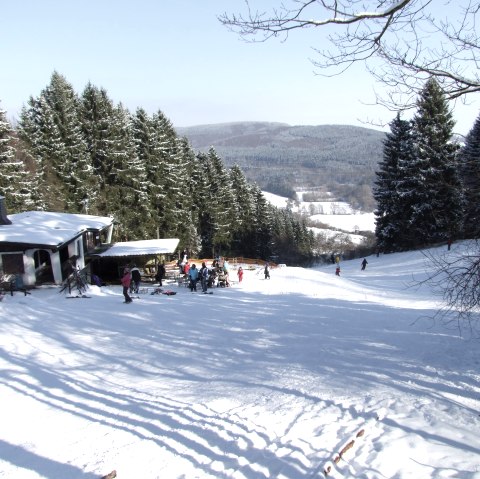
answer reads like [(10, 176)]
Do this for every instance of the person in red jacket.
[(240, 274), (126, 281)]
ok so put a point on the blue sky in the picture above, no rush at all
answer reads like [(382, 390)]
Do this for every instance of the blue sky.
[(176, 57)]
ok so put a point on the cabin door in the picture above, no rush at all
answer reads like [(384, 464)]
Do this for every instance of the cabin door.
[(43, 267)]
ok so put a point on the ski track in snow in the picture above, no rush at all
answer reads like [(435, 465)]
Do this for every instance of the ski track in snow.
[(267, 379)]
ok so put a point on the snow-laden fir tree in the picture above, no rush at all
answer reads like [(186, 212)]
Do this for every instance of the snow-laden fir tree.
[(243, 238), (436, 195), (171, 178), (51, 129), (15, 185), (391, 190), (263, 243), (72, 162), (469, 159)]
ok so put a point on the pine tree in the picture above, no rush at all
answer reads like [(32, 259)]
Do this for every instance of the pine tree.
[(222, 205), (42, 142), (14, 183), (73, 164), (51, 130), (437, 199), (243, 232), (391, 190), (263, 244), (469, 159)]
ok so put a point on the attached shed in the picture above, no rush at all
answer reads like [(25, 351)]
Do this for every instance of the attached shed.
[(109, 263)]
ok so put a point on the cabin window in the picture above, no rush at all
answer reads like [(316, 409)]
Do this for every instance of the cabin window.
[(13, 263)]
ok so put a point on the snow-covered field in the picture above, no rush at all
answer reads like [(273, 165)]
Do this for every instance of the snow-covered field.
[(266, 379), (337, 215)]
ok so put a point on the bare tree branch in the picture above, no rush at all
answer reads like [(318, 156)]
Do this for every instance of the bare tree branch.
[(455, 277), (401, 42)]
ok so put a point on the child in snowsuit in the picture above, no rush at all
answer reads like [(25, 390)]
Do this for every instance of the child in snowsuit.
[(126, 280), (193, 275), (240, 274)]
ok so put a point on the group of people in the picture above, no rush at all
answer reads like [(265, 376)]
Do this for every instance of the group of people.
[(363, 266), (217, 274), (132, 277)]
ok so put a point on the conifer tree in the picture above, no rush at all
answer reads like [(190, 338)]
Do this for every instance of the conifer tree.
[(221, 203), (72, 162), (469, 160), (14, 184), (243, 232), (169, 158), (437, 200), (50, 127), (391, 187), (186, 211), (263, 225), (41, 139)]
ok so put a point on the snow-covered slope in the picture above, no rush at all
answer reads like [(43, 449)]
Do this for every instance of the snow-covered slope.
[(266, 379)]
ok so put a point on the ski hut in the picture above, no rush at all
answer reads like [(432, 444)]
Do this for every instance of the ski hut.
[(34, 245)]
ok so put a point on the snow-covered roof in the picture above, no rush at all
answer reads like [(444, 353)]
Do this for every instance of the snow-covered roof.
[(49, 229), (142, 248)]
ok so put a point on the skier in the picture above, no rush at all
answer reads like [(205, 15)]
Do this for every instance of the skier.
[(267, 271), (240, 274), (364, 264), (337, 271)]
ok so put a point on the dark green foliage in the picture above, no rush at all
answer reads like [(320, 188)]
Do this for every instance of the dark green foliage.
[(437, 214), (91, 156), (470, 176), (392, 187), (418, 191), (14, 179), (281, 158)]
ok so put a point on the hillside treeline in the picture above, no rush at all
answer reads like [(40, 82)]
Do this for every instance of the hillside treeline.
[(81, 153), (283, 159)]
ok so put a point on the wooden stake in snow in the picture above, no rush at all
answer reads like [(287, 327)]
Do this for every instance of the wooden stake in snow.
[(112, 475), (350, 444)]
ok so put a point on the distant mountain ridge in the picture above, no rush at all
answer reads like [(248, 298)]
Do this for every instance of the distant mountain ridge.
[(278, 156)]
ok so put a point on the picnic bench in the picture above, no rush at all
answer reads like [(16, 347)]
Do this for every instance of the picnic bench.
[(10, 283)]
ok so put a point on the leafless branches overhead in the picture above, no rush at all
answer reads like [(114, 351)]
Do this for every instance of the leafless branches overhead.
[(402, 42)]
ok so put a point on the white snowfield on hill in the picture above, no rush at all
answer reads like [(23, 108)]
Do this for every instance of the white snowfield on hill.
[(336, 214), (283, 378)]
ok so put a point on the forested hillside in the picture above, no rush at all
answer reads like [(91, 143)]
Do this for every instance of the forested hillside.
[(82, 153), (281, 158)]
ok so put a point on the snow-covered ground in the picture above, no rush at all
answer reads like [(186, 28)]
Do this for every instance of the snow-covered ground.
[(266, 379)]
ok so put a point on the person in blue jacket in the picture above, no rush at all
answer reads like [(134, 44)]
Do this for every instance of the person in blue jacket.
[(193, 275)]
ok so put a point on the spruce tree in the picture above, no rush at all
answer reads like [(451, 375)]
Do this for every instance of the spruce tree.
[(436, 196), (73, 165), (243, 232), (41, 140), (391, 187), (14, 183), (469, 160), (263, 217)]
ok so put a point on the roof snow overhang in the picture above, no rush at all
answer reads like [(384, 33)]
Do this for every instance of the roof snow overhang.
[(141, 248), (33, 229)]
